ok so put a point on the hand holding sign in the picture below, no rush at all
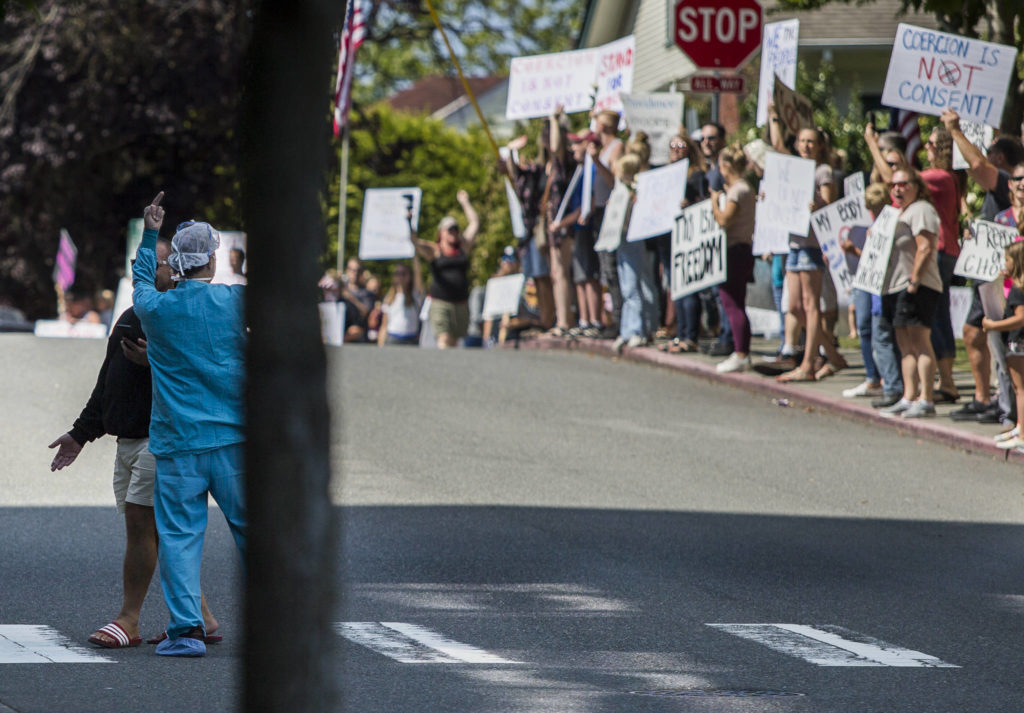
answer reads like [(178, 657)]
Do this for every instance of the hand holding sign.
[(153, 215)]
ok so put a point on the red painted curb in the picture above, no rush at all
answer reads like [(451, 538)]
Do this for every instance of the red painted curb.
[(921, 428)]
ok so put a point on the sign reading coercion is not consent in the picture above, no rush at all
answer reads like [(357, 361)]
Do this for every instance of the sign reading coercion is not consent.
[(931, 71), (698, 250), (981, 258), (873, 270)]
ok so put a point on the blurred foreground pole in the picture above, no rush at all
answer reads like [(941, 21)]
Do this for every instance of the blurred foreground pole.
[(292, 528)]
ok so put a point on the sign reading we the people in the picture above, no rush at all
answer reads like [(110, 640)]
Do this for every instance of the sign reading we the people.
[(873, 270), (539, 84), (698, 250), (981, 257), (930, 71), (659, 193), (832, 225), (656, 114), (384, 234), (778, 59)]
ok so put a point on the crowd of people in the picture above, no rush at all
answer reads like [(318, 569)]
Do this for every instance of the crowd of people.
[(906, 336)]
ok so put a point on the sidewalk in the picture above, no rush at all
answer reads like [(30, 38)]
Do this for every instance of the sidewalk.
[(825, 394)]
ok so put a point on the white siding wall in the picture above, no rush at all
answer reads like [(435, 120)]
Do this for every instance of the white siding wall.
[(658, 63)]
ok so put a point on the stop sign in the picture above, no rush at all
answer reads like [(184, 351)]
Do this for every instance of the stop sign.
[(718, 34)]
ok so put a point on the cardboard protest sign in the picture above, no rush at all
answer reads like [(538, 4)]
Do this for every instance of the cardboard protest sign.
[(930, 71), (788, 188), (979, 135), (778, 59), (537, 85), (698, 250), (658, 195), (616, 215), (795, 110), (873, 271), (769, 239), (981, 257), (502, 295), (658, 115), (384, 234), (832, 225), (853, 184)]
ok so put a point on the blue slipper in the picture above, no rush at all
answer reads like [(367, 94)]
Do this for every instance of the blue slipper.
[(181, 646)]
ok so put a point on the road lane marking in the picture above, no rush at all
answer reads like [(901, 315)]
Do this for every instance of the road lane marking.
[(32, 643), (409, 643), (831, 646)]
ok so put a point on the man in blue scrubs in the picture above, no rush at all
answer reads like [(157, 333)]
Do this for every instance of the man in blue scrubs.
[(196, 343)]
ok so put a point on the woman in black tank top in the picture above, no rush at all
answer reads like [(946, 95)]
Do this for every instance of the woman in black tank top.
[(449, 272)]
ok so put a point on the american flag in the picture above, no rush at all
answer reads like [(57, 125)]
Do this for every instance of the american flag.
[(905, 122), (352, 35), (67, 256)]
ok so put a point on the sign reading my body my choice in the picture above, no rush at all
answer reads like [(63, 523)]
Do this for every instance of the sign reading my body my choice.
[(873, 270), (932, 71)]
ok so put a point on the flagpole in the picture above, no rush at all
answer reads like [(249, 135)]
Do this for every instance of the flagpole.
[(342, 199), (465, 83)]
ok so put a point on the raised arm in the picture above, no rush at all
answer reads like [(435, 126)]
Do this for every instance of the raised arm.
[(871, 139), (555, 133), (473, 228), (978, 166), (144, 293), (775, 133)]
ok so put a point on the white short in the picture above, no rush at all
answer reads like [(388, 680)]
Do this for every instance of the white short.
[(134, 473)]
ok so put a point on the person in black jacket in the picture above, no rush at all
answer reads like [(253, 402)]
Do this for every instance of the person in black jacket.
[(120, 405)]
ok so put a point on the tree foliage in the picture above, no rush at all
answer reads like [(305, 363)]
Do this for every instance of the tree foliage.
[(999, 21)]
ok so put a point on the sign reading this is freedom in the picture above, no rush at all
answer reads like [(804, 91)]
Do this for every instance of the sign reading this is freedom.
[(873, 270), (981, 258), (931, 71), (537, 85), (698, 250)]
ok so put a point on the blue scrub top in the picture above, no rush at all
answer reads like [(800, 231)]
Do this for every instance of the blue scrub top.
[(196, 343)]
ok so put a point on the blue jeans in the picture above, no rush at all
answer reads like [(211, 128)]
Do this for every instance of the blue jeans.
[(862, 310), (180, 506), (639, 296), (886, 353), (688, 317), (778, 282)]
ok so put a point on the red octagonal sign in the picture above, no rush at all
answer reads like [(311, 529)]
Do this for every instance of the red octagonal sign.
[(718, 34)]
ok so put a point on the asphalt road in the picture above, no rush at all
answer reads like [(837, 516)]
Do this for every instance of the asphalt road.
[(555, 532)]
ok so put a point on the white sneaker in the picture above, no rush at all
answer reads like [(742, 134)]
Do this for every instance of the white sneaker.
[(865, 389), (636, 341), (919, 409), (1008, 435), (897, 408), (733, 363), (618, 344)]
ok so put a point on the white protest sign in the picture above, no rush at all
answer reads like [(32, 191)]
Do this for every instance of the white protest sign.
[(537, 85), (979, 135), (616, 213), (231, 272), (788, 188), (502, 295), (698, 250), (981, 258), (384, 234), (832, 225), (853, 184), (930, 71), (567, 198), (778, 59), (993, 299), (873, 270), (587, 203), (61, 328), (658, 115), (960, 299), (332, 322), (794, 109), (769, 239), (658, 195), (515, 211)]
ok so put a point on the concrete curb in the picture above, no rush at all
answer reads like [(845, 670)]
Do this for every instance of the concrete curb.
[(697, 367)]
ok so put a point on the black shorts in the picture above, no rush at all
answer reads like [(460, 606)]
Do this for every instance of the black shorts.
[(976, 312), (585, 266), (903, 309)]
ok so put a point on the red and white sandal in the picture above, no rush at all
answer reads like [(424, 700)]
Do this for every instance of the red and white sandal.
[(118, 637)]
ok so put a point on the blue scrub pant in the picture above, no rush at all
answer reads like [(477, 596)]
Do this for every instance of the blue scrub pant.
[(180, 506)]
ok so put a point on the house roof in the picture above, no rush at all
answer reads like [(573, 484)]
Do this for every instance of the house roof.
[(432, 93)]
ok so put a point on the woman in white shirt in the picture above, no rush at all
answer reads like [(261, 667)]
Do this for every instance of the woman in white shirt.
[(401, 306)]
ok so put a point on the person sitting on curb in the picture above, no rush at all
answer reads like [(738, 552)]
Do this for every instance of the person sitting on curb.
[(120, 405)]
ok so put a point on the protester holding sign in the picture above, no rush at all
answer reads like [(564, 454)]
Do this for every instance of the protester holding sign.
[(558, 171), (449, 272), (604, 149), (913, 291), (734, 210), (1012, 327)]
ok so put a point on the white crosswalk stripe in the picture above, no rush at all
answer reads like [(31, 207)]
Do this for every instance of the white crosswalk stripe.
[(33, 643), (831, 646), (410, 643)]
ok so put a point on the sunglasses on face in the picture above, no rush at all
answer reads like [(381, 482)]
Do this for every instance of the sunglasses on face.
[(899, 184), (708, 138), (1016, 179), (892, 164)]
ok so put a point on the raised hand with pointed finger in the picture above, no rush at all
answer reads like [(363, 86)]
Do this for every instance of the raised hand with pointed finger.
[(153, 215)]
